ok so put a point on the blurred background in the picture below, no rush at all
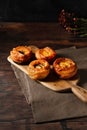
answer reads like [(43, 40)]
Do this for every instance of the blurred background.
[(39, 10)]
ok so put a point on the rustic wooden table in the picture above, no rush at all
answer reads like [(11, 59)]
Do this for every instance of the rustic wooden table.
[(15, 113)]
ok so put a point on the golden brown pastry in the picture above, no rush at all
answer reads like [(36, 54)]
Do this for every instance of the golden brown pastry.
[(65, 68), (46, 53), (38, 69), (21, 54)]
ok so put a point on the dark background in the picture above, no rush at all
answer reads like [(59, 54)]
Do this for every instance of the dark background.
[(39, 10)]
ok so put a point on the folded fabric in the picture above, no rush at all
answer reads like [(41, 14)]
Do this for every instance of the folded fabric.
[(48, 105)]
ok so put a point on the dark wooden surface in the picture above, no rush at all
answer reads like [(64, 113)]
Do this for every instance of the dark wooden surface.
[(39, 10), (15, 113)]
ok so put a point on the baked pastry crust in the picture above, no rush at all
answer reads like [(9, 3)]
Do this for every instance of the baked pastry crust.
[(38, 69), (65, 68), (21, 54), (46, 53)]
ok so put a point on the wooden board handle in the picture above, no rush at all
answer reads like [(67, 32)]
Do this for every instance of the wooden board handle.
[(80, 92)]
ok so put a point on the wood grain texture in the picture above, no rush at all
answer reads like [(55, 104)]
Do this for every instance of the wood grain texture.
[(15, 113)]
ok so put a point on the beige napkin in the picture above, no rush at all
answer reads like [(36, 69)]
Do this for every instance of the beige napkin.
[(48, 105)]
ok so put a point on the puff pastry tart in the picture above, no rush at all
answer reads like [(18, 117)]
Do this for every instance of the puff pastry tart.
[(65, 68), (46, 53), (38, 69), (21, 54)]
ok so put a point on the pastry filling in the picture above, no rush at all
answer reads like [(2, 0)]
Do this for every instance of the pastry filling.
[(38, 66), (66, 64), (46, 53)]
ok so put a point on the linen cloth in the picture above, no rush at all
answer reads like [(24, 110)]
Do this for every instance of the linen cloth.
[(48, 105)]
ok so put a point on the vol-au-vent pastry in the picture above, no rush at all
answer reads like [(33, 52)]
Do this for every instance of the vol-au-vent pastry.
[(65, 68), (45, 53), (21, 54), (38, 69)]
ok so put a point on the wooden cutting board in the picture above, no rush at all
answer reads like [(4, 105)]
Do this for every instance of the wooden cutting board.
[(51, 81)]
